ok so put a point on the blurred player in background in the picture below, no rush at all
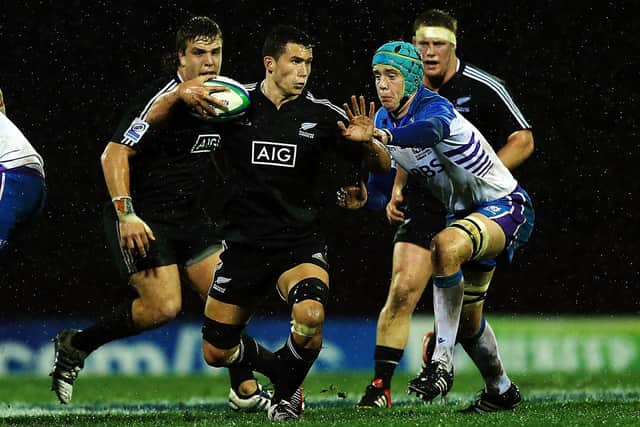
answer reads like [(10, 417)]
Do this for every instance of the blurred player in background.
[(161, 169), (22, 185)]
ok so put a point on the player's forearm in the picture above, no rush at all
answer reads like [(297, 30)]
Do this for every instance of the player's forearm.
[(518, 148), (377, 158), (379, 187), (400, 179), (161, 108), (115, 168), (421, 133)]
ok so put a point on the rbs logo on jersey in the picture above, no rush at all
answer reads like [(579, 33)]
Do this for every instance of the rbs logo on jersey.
[(273, 154)]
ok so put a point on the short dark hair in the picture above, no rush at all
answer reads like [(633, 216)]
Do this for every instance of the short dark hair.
[(436, 18), (196, 27), (276, 42)]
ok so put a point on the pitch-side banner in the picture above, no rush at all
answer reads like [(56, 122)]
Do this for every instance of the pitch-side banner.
[(527, 344)]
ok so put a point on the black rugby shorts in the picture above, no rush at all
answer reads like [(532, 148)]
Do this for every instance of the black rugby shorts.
[(246, 274), (173, 244)]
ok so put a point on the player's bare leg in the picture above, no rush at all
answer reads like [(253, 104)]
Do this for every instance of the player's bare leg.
[(410, 275), (159, 301)]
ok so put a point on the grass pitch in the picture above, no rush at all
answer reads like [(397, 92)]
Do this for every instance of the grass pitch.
[(553, 399)]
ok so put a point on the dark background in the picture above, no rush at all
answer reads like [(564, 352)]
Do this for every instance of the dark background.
[(67, 69)]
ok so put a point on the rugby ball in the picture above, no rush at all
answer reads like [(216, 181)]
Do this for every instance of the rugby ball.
[(235, 97)]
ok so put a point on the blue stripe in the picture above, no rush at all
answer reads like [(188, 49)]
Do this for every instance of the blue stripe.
[(448, 281), (462, 148)]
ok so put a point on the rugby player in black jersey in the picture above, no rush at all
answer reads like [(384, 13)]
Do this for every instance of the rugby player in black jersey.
[(161, 171), (279, 162), (487, 103)]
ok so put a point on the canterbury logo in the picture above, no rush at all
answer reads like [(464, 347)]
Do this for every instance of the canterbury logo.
[(273, 154)]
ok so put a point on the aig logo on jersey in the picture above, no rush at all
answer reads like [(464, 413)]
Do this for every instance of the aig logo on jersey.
[(273, 154), (206, 143)]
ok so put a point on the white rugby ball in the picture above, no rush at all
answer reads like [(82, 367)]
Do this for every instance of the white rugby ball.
[(235, 97)]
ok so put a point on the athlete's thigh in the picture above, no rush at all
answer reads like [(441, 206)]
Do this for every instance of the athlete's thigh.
[(229, 314), (243, 277), (158, 284), (201, 273), (297, 274), (492, 234)]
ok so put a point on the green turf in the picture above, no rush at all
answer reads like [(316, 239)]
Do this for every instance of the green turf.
[(555, 399)]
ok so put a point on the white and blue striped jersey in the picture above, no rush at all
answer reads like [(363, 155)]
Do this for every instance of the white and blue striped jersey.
[(439, 147), (15, 149)]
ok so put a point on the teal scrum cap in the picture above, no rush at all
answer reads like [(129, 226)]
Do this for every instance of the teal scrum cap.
[(406, 58)]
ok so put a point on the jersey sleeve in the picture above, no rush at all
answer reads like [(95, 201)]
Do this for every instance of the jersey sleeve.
[(132, 126), (507, 111), (430, 126), (379, 186)]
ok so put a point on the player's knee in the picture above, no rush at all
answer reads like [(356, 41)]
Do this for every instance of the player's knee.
[(445, 248), (220, 345), (169, 309), (307, 318), (307, 299), (160, 312)]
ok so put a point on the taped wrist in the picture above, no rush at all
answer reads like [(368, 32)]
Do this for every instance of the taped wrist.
[(123, 206), (389, 136)]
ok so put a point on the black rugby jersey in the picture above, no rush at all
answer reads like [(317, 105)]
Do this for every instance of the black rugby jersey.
[(486, 102), (282, 168), (173, 164)]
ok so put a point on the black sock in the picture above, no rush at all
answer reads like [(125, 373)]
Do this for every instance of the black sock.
[(386, 359), (110, 327), (297, 362), (255, 357), (238, 375)]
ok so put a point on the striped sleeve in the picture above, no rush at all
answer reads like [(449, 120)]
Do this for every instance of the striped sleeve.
[(327, 103), (133, 125), (500, 89)]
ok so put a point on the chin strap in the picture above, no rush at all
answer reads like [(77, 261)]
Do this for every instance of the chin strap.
[(403, 102)]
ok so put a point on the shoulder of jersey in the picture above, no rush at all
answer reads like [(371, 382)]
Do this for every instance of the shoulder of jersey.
[(325, 104), (479, 75)]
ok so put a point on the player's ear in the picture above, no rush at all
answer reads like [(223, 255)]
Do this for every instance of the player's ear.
[(182, 59), (268, 63)]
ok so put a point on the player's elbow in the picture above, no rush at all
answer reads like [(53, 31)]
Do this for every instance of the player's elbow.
[(107, 156), (523, 142)]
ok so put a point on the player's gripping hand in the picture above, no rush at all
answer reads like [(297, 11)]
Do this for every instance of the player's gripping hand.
[(352, 196), (198, 95), (135, 234), (394, 211), (360, 128)]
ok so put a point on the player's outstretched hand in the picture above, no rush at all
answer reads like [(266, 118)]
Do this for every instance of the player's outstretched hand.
[(360, 127), (198, 95), (352, 196)]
